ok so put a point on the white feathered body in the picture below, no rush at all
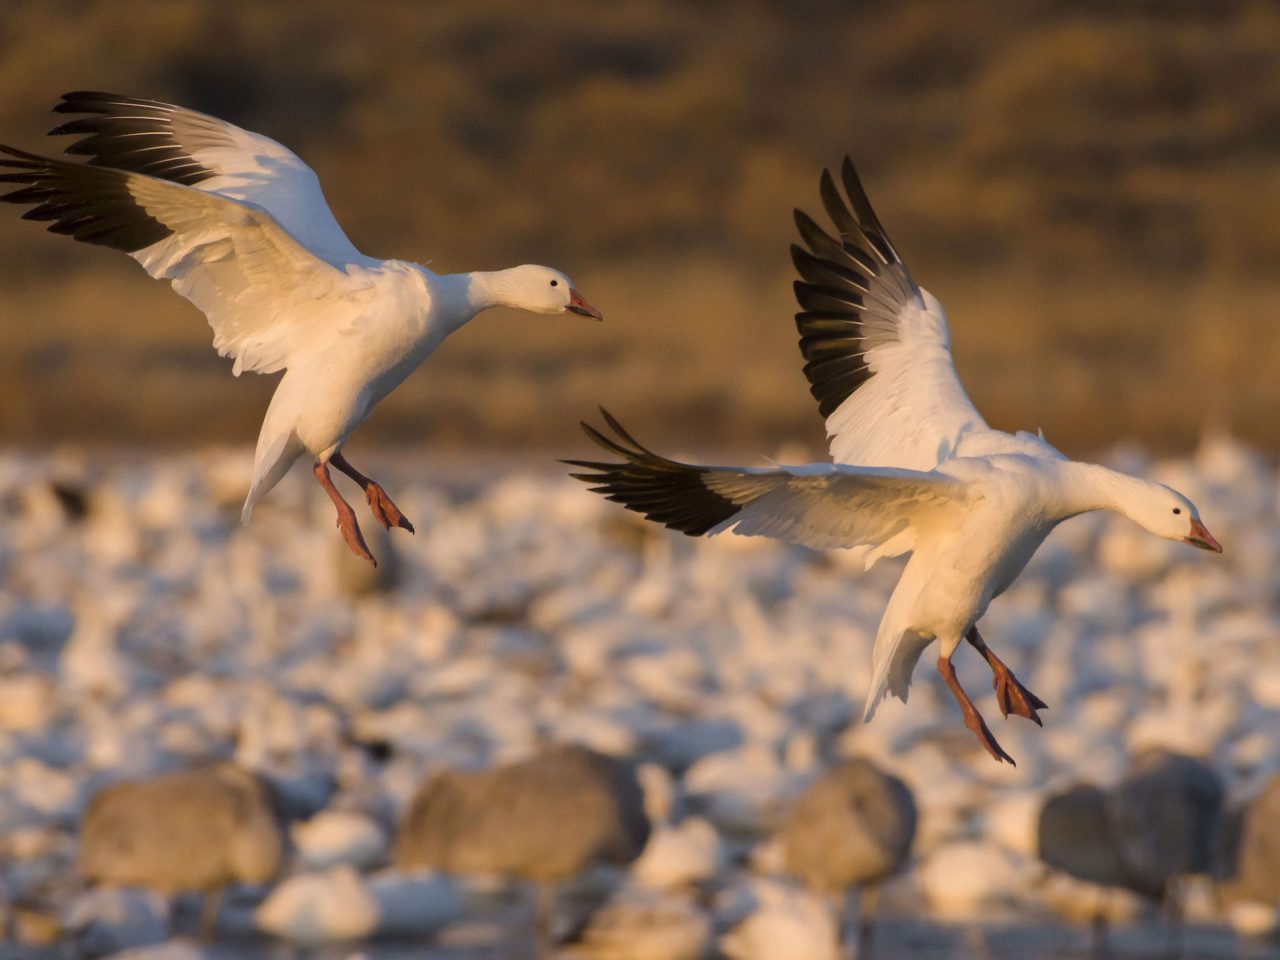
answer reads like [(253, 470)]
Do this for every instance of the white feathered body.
[(333, 383), (962, 562)]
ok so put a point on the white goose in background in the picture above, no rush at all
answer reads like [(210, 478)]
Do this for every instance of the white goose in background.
[(917, 470), (239, 225)]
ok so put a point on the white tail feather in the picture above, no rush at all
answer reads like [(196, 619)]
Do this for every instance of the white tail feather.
[(271, 462), (896, 654)]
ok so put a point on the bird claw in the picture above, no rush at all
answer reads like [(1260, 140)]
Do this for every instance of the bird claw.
[(384, 510), (972, 718), (350, 530), (346, 523), (980, 729), (1013, 697)]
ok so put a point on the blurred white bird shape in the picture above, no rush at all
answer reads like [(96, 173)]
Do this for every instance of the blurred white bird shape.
[(644, 925), (917, 470), (311, 909), (238, 224), (787, 924), (680, 855)]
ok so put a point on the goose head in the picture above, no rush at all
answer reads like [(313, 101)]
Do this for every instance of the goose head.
[(1167, 513), (540, 290)]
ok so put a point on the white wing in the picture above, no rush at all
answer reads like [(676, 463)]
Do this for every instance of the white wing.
[(836, 505), (876, 345), (820, 506), (184, 146), (264, 293)]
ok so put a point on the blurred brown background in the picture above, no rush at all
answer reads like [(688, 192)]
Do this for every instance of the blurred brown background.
[(1092, 189)]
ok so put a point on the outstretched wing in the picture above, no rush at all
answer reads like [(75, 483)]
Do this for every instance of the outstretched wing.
[(876, 346), (184, 146), (263, 292), (820, 506)]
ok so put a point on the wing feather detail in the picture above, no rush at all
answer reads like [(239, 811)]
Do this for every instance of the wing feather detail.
[(821, 506), (265, 295), (876, 347), (185, 146)]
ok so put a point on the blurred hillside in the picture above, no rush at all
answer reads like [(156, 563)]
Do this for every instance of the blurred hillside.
[(1092, 189)]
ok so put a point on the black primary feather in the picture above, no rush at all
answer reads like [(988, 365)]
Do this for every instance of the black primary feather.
[(836, 280), (91, 204), (664, 491), (128, 133)]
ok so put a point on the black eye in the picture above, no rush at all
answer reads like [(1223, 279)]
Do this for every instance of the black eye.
[(555, 283), (1177, 509)]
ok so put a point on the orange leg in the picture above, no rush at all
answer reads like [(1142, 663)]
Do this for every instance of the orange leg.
[(346, 516), (1011, 695), (972, 719), (384, 511)]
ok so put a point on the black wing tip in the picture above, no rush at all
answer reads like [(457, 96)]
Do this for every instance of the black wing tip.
[(852, 212), (92, 95), (806, 224), (849, 179), (90, 204), (128, 133), (625, 445), (23, 155), (84, 101), (662, 490), (95, 101), (71, 127), (798, 254), (836, 278)]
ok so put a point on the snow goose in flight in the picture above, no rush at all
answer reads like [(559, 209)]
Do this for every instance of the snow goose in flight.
[(238, 224), (916, 469)]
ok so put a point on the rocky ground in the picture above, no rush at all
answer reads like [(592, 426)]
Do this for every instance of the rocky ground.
[(141, 628)]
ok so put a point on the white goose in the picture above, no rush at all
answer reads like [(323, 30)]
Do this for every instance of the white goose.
[(917, 469), (239, 225)]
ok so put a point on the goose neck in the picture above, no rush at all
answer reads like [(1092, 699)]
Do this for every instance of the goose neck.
[(1091, 486)]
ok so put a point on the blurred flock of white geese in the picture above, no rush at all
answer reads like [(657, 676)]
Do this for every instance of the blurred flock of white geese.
[(144, 631)]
